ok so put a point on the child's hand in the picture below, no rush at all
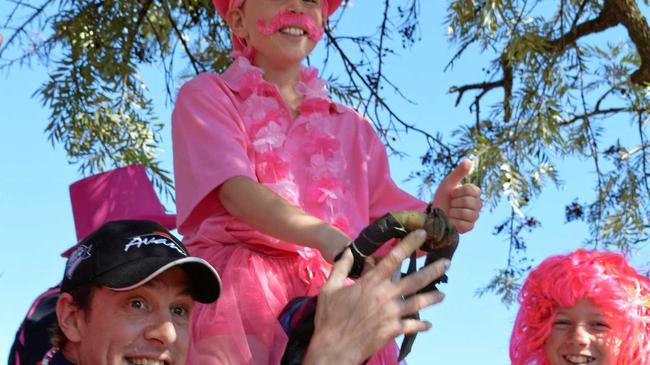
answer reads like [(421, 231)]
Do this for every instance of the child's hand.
[(461, 202)]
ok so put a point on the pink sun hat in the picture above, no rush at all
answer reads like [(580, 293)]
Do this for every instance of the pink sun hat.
[(120, 194), (223, 6)]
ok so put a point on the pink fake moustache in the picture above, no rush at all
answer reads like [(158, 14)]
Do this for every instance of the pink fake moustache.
[(285, 18)]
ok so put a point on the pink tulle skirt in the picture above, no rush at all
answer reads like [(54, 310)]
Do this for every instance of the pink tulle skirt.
[(242, 326)]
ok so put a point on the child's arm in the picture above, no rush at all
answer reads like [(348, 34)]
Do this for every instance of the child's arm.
[(270, 214)]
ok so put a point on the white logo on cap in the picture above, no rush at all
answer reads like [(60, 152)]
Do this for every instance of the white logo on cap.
[(152, 239), (79, 254)]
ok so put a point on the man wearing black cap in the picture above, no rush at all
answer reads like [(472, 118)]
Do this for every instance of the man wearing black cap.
[(129, 288), (127, 296)]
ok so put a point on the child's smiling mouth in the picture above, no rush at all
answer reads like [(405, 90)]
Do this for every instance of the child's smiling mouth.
[(579, 359)]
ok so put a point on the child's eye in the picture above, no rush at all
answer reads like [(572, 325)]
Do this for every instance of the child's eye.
[(311, 1), (561, 323), (600, 325)]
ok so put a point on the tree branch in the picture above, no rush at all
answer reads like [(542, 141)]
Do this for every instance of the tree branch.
[(353, 70), (614, 12), (189, 54), (485, 86), (21, 28), (639, 31), (600, 112), (607, 18), (133, 31)]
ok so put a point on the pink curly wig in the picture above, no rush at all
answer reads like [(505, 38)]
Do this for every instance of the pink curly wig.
[(561, 281)]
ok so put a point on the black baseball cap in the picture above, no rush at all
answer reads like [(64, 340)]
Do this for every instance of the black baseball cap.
[(123, 255)]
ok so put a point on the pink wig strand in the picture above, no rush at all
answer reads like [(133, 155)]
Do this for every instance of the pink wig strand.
[(561, 281)]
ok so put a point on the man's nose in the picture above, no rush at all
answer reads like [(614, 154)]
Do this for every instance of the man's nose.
[(162, 330)]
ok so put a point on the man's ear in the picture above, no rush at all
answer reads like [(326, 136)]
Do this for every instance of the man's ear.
[(69, 316), (235, 20)]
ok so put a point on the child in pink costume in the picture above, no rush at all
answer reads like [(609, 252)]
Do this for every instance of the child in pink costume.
[(273, 178)]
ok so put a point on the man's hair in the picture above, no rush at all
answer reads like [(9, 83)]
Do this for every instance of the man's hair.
[(561, 281), (82, 296)]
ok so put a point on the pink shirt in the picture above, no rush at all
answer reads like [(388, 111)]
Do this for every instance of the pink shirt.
[(328, 160)]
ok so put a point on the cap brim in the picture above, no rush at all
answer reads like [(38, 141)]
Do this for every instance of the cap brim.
[(205, 281)]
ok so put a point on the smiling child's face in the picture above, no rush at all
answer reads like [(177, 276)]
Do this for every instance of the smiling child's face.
[(282, 32), (582, 334)]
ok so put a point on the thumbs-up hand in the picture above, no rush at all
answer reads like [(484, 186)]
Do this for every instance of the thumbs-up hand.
[(461, 202)]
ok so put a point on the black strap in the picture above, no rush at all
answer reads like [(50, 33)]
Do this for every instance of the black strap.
[(409, 340)]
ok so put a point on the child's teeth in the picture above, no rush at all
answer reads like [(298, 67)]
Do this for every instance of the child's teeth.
[(293, 31), (579, 359)]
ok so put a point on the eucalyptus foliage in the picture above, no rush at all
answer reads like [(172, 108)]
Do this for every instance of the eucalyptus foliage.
[(557, 91), (547, 94)]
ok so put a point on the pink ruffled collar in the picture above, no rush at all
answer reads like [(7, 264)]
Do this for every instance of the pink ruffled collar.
[(246, 79)]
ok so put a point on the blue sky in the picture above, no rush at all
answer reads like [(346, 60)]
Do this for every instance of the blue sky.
[(36, 218)]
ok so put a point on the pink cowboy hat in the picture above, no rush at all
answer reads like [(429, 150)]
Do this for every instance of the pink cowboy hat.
[(123, 193), (223, 6)]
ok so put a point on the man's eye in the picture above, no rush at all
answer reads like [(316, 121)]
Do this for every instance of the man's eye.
[(137, 304), (181, 311)]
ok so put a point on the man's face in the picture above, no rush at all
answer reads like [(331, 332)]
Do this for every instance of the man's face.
[(148, 325)]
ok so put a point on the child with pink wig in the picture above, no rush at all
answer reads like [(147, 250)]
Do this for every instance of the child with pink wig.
[(587, 307), (273, 178)]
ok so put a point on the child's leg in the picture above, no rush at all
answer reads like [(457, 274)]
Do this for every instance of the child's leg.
[(242, 326)]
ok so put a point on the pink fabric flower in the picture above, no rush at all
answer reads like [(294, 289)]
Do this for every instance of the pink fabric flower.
[(314, 105), (323, 144), (310, 85), (270, 167), (269, 137), (322, 167), (257, 106), (243, 76), (325, 190), (239, 67), (271, 116)]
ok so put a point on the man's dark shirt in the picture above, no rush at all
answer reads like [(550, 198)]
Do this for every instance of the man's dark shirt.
[(33, 337)]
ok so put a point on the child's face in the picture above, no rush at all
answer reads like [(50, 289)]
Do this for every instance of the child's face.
[(582, 334), (282, 32)]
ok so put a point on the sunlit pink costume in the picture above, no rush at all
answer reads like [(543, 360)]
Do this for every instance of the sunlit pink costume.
[(328, 161)]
